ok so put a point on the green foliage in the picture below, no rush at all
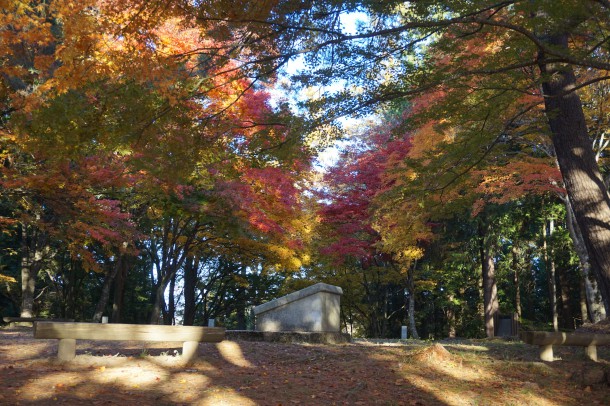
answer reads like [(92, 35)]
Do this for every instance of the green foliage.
[(154, 142)]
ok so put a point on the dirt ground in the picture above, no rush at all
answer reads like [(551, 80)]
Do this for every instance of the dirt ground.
[(459, 372)]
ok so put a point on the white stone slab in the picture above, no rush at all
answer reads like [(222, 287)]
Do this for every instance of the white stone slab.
[(315, 309)]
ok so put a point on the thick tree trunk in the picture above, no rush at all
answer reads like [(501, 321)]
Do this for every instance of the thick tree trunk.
[(587, 192), (597, 310), (119, 293), (28, 285), (158, 302), (411, 290), (451, 318), (105, 295), (240, 318), (567, 316), (490, 289), (160, 313), (190, 282), (31, 261), (584, 314), (490, 293)]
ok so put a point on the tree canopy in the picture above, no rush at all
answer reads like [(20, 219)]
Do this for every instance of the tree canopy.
[(150, 170)]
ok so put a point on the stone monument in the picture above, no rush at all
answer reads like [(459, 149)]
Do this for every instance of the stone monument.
[(313, 309)]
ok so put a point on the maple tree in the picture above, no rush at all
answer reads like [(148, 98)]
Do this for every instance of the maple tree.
[(512, 172), (141, 150), (377, 252), (418, 188), (534, 46), (119, 126), (349, 239)]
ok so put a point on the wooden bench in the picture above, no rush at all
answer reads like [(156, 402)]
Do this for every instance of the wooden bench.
[(545, 340), (68, 333), (28, 321)]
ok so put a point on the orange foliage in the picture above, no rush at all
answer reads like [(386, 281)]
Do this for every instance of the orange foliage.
[(501, 184), (204, 129)]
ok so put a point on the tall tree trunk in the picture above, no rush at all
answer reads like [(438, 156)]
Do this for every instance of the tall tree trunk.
[(159, 310), (170, 317), (240, 318), (597, 310), (349, 319), (31, 261), (567, 316), (490, 289), (549, 264), (168, 257), (516, 255), (451, 318), (28, 286), (190, 283), (584, 314), (119, 292), (240, 300), (490, 293), (584, 184), (384, 317), (411, 290), (158, 302), (28, 276), (71, 288), (105, 295)]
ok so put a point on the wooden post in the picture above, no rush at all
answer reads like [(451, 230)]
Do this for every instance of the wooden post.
[(189, 350), (591, 352), (66, 350), (546, 352)]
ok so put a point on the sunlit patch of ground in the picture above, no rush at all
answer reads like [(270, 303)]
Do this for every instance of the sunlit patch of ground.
[(434, 370), (231, 352), (226, 397), (240, 373)]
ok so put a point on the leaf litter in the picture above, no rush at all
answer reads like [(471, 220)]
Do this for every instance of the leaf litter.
[(454, 372)]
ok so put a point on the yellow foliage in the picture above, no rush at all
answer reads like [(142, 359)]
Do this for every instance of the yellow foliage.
[(411, 253), (7, 279), (288, 258)]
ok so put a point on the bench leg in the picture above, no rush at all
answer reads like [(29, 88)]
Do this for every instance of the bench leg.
[(546, 352), (66, 350), (591, 352), (189, 350)]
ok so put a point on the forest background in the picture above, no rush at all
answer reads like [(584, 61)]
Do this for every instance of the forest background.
[(147, 174)]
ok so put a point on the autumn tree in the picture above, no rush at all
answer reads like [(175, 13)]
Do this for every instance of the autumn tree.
[(372, 263), (539, 43), (123, 121), (348, 239)]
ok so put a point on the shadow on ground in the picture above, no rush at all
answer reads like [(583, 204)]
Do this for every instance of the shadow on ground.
[(259, 373)]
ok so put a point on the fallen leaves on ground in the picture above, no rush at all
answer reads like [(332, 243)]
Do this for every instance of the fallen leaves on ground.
[(259, 373)]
